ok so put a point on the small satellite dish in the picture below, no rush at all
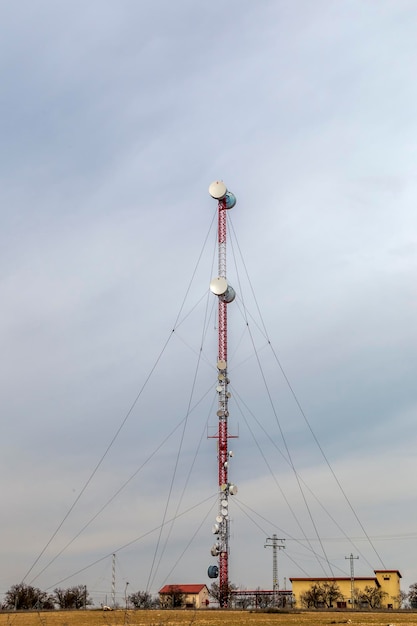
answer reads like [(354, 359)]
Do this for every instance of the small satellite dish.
[(224, 512), (213, 571), (232, 490), (221, 365), (229, 295), (214, 551), (215, 529), (229, 200), (219, 519), (225, 503), (219, 389), (231, 453), (218, 190)]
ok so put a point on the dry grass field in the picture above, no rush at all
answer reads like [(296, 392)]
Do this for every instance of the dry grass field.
[(204, 618)]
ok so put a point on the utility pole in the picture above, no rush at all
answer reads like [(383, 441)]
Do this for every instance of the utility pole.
[(126, 596), (275, 547), (352, 579)]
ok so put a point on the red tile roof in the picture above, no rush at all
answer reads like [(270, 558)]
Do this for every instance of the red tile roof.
[(188, 589), (332, 579), (388, 571)]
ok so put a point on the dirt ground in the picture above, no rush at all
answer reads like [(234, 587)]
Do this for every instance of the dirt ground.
[(206, 618)]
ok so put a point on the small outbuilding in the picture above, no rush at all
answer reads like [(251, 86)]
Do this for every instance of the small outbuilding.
[(188, 596)]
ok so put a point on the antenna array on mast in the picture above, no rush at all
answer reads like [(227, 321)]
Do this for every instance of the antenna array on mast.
[(220, 287)]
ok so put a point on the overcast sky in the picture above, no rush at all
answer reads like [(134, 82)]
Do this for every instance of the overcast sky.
[(115, 118)]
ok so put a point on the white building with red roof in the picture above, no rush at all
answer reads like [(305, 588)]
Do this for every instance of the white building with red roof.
[(190, 596)]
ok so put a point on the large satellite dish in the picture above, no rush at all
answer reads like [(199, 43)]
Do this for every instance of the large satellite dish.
[(218, 190), (218, 286)]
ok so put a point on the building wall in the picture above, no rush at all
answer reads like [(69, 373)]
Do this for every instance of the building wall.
[(390, 583), (198, 600), (301, 586)]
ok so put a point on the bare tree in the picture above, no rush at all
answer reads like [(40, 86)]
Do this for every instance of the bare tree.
[(264, 600), (73, 597), (174, 599), (312, 598), (412, 595), (321, 594), (402, 600), (23, 597), (331, 593), (141, 600), (222, 594), (372, 596)]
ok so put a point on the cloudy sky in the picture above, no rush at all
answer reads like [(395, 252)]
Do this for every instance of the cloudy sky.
[(115, 118)]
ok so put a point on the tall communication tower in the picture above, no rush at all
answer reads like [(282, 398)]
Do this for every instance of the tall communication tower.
[(220, 287)]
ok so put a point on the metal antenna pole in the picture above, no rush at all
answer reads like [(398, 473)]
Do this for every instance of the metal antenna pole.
[(352, 579), (275, 547), (225, 293), (113, 581), (126, 596)]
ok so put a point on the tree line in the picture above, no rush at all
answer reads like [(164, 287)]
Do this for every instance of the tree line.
[(21, 597)]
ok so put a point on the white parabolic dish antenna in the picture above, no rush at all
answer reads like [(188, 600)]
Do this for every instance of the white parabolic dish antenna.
[(218, 286), (218, 190)]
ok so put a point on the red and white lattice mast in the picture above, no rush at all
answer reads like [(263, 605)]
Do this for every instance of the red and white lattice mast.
[(226, 294)]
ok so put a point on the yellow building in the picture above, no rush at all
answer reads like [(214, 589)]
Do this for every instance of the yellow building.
[(387, 581)]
